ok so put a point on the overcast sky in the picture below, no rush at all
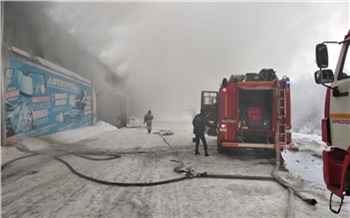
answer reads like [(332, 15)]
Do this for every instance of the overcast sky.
[(168, 52)]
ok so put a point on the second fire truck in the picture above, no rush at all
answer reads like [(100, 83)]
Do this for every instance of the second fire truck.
[(250, 111)]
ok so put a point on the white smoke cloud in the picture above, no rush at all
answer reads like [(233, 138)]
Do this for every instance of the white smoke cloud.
[(170, 52)]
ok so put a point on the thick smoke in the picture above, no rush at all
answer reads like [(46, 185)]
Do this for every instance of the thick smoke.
[(169, 52)]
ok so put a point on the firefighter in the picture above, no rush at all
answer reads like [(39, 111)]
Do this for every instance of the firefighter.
[(148, 119), (199, 122)]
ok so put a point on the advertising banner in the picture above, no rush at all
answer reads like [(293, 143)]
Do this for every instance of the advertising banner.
[(38, 102)]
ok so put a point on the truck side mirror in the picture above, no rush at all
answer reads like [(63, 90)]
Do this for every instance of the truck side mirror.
[(324, 76), (9, 73), (321, 55)]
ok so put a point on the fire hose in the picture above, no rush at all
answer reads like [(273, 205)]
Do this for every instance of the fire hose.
[(74, 171), (273, 177), (189, 174)]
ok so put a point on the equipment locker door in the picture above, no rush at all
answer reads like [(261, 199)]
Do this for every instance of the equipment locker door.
[(209, 102)]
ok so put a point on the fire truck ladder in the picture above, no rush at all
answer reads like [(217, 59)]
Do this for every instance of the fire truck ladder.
[(282, 118)]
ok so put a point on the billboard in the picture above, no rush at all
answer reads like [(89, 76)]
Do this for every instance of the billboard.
[(39, 102)]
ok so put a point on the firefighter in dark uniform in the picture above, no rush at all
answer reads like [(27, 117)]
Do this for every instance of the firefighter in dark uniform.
[(148, 119), (199, 122)]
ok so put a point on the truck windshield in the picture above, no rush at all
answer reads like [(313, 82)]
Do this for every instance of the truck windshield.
[(345, 70)]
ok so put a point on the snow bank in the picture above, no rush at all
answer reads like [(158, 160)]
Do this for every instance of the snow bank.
[(133, 120), (64, 137), (32, 144), (69, 136), (103, 126), (79, 134), (312, 143)]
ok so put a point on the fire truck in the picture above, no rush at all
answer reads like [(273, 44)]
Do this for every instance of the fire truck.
[(336, 121), (252, 110)]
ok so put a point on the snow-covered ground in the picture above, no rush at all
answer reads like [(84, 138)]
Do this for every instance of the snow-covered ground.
[(41, 186)]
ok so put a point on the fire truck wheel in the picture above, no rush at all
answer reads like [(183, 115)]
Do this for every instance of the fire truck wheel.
[(270, 153)]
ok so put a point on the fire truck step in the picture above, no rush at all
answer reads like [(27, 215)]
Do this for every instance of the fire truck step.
[(334, 186), (338, 160)]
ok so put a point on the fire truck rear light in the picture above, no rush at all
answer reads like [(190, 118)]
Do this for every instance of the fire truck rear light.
[(224, 89), (223, 126)]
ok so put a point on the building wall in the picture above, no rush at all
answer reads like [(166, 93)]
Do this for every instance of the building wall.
[(27, 27), (116, 103)]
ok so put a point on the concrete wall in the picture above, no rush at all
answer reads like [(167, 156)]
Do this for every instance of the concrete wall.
[(27, 27)]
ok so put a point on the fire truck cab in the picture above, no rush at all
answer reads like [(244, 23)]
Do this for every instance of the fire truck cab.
[(336, 121), (249, 110)]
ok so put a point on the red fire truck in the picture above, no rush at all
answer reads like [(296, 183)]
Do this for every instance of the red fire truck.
[(250, 111), (336, 121)]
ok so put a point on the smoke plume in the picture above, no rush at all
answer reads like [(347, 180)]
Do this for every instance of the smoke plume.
[(168, 52)]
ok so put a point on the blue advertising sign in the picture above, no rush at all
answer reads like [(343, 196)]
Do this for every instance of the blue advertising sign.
[(38, 102)]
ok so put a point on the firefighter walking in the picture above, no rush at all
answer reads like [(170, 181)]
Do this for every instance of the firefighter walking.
[(199, 122), (148, 120)]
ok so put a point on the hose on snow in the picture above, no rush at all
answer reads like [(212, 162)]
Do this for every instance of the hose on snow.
[(286, 185), (16, 159), (117, 183), (189, 173), (74, 171)]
